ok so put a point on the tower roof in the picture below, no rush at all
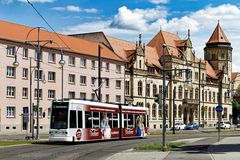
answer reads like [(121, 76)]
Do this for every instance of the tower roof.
[(218, 36)]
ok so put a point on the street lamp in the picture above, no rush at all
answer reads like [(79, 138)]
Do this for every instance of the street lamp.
[(187, 85)]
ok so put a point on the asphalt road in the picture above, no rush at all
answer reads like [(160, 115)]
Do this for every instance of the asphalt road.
[(94, 150)]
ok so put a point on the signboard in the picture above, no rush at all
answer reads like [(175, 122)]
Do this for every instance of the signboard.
[(219, 108)]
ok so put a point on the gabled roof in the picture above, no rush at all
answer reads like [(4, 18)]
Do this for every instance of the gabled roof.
[(125, 50), (218, 36), (18, 33), (235, 75), (210, 71), (165, 38)]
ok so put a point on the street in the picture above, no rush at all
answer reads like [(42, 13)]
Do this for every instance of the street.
[(196, 142)]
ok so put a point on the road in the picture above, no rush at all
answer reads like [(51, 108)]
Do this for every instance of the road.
[(96, 150)]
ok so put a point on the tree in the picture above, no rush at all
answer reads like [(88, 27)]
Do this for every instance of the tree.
[(236, 110)]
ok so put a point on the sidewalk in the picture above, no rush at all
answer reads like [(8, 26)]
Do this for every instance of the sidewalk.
[(227, 149)]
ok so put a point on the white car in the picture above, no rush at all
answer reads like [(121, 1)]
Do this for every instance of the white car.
[(224, 125), (180, 126)]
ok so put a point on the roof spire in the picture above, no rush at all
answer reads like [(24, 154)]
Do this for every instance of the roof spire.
[(218, 36), (188, 33), (140, 39)]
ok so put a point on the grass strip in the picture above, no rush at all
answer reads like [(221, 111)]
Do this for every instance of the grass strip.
[(157, 146), (19, 142)]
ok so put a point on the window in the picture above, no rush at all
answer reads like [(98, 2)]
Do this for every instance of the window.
[(71, 94), (185, 93), (10, 50), (154, 89), (107, 66), (51, 94), (180, 74), (118, 84), (36, 93), (82, 95), (93, 79), (222, 56), (209, 112), (83, 62), (25, 53), (51, 76), (210, 96), (11, 111), (51, 57), (38, 55), (179, 111), (205, 96), (196, 93), (180, 92), (40, 76), (10, 71), (49, 112), (25, 93), (79, 119), (214, 97), (88, 119), (107, 97), (71, 61), (107, 82), (154, 111), (25, 73), (93, 96), (196, 76), (83, 80), (127, 88), (11, 91), (213, 111), (118, 68), (140, 88), (140, 64), (93, 64), (118, 98), (160, 111), (71, 78), (148, 90), (166, 91), (73, 119)]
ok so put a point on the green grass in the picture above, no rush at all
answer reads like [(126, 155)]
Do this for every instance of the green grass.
[(20, 142), (223, 131), (158, 146)]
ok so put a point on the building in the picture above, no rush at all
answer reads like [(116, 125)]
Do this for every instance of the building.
[(143, 76), (18, 90)]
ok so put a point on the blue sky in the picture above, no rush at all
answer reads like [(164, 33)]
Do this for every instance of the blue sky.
[(127, 18)]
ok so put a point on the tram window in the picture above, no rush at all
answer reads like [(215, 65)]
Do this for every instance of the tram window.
[(79, 119), (88, 120), (125, 120), (130, 120), (96, 120), (73, 121), (144, 121), (114, 121)]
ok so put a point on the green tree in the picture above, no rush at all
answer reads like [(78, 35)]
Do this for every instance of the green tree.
[(236, 110)]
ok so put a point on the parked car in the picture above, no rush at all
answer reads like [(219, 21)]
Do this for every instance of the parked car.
[(224, 125), (180, 126), (192, 126)]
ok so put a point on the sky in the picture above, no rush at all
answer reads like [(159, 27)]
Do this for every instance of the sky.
[(126, 19)]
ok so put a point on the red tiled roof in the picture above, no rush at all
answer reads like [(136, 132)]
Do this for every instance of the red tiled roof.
[(18, 33), (218, 36), (235, 75)]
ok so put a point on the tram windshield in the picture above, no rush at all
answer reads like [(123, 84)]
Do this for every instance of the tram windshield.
[(59, 118)]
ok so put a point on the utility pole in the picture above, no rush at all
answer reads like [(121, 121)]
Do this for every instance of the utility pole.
[(219, 112), (99, 73), (164, 99), (38, 72), (174, 108)]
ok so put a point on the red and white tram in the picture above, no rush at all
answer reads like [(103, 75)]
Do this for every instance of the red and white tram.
[(80, 120)]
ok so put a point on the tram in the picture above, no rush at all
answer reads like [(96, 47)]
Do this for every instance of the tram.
[(75, 120)]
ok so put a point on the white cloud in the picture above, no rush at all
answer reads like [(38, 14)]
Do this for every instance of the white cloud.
[(137, 19), (72, 8), (6, 1), (159, 1), (127, 24), (37, 1)]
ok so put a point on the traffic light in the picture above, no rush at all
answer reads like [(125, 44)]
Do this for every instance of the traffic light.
[(158, 98)]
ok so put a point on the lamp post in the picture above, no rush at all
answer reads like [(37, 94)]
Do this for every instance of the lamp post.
[(61, 63), (187, 84)]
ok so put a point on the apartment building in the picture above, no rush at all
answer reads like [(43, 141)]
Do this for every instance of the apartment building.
[(18, 89)]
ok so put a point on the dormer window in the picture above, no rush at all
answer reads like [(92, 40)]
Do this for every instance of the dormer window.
[(140, 64)]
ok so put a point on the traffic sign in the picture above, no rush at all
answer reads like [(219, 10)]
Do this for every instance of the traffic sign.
[(219, 108)]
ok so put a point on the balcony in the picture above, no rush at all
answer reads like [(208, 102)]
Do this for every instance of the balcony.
[(190, 101)]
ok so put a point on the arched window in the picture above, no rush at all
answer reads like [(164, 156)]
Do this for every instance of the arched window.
[(191, 94), (154, 90), (209, 112), (179, 111), (154, 111), (210, 96), (205, 96), (213, 111), (196, 93), (160, 111), (166, 111), (140, 88), (180, 92)]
